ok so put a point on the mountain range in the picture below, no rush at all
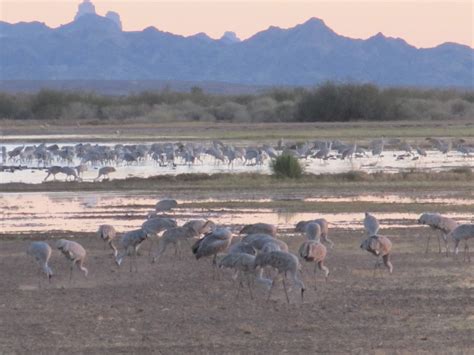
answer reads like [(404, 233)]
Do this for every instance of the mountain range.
[(93, 47)]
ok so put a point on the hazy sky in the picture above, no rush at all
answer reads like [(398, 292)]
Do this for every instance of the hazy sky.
[(421, 23)]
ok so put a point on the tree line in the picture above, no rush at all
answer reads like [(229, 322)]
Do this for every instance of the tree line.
[(328, 102)]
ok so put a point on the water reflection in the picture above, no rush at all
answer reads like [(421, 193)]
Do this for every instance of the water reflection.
[(84, 212)]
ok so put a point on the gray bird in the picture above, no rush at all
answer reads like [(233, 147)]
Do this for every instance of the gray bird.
[(440, 223), (371, 224), (212, 243), (284, 263), (166, 205), (380, 246), (463, 232), (75, 253), (259, 228), (105, 171), (107, 233), (129, 244), (41, 252)]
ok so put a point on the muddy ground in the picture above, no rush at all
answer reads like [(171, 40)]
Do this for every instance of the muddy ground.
[(426, 306)]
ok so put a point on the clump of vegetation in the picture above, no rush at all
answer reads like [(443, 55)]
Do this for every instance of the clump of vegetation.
[(286, 165)]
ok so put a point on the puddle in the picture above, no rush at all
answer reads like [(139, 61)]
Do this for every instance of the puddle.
[(85, 211)]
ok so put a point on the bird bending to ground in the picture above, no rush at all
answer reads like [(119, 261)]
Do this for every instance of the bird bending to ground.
[(463, 232), (129, 243), (313, 250), (75, 253), (107, 233), (438, 222), (379, 246), (323, 224), (105, 171), (174, 236), (41, 251), (284, 263)]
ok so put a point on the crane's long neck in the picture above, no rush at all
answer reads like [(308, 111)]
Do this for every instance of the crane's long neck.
[(47, 270)]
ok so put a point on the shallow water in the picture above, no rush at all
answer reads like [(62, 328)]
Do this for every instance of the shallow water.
[(435, 161), (63, 211)]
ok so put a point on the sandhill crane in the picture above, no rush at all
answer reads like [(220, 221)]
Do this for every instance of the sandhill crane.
[(107, 233), (462, 232), (156, 225), (379, 246), (129, 243), (242, 247), (174, 236), (105, 171), (371, 224), (68, 171), (166, 205), (81, 169), (41, 251), (212, 243), (241, 263), (259, 228), (261, 241), (75, 253), (438, 222), (312, 250), (285, 263), (53, 170), (323, 224), (201, 226)]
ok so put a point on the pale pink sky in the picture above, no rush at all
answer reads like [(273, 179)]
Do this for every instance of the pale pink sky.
[(421, 23)]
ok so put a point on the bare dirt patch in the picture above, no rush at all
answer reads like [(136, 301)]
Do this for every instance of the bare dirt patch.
[(176, 306)]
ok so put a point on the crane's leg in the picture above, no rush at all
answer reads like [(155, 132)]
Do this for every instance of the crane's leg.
[(388, 263), (71, 270), (324, 268), (428, 243), (270, 290), (467, 255), (286, 292), (249, 286), (112, 246), (315, 278)]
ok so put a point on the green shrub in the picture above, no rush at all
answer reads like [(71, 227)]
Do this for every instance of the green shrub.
[(286, 165)]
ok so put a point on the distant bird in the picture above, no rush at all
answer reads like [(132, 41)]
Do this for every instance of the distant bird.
[(68, 171), (463, 232), (312, 250), (105, 171), (212, 243), (81, 169), (379, 246), (107, 233), (166, 205), (438, 222), (130, 243), (53, 170), (259, 228), (41, 251), (284, 263), (74, 252), (371, 224), (323, 224)]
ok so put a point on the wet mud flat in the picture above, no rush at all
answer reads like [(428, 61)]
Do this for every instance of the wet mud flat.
[(176, 306)]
